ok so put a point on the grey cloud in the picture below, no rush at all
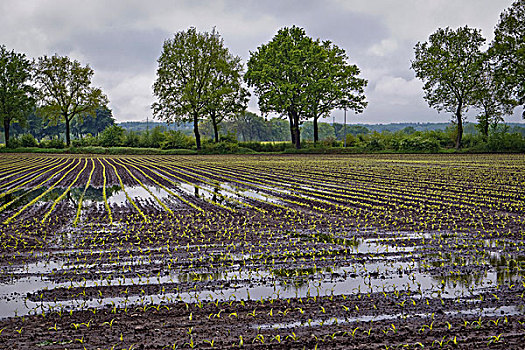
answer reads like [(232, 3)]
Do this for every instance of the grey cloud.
[(324, 19), (118, 49), (122, 40)]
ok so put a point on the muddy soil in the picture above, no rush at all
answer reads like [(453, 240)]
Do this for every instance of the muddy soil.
[(286, 252)]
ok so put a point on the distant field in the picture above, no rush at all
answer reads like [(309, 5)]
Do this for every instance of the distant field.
[(287, 251)]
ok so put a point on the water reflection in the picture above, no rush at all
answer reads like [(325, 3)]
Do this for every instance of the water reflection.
[(469, 271)]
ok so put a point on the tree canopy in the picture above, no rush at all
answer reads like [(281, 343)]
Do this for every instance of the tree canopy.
[(65, 90), (333, 84), (508, 51), (449, 65), (196, 77), (227, 97), (490, 99), (301, 78), (16, 92)]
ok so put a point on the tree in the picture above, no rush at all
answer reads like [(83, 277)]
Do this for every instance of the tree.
[(508, 51), (280, 71), (66, 91), (112, 136), (449, 64), (227, 95), (251, 127), (333, 84), (196, 76), (93, 125), (490, 99), (16, 93), (325, 131)]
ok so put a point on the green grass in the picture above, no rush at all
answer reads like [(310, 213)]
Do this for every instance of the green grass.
[(97, 150)]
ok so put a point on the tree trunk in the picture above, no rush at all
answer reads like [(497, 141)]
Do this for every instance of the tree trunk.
[(316, 130), (68, 140), (459, 135), (297, 131), (292, 129), (486, 127), (6, 131), (215, 129), (196, 131)]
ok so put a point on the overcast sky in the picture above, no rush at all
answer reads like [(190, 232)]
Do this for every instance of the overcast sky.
[(121, 40)]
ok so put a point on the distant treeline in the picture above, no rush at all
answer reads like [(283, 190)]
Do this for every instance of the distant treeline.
[(252, 132), (258, 129)]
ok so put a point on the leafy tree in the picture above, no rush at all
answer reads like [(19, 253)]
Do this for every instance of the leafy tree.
[(251, 127), (16, 92), (157, 136), (227, 95), (490, 100), (278, 130), (196, 76), (508, 51), (131, 139), (93, 124), (280, 71), (302, 78), (177, 139), (66, 91), (449, 64), (112, 136), (325, 131), (333, 84)]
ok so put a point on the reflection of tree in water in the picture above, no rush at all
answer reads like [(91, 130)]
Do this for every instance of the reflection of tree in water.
[(94, 193), (295, 279), (26, 196), (463, 280), (508, 271), (200, 276)]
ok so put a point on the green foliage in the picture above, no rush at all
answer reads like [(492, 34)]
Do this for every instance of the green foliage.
[(325, 131), (92, 124), (449, 65), (222, 147), (264, 146), (490, 99), (301, 78), (34, 150), (505, 142), (86, 141), (153, 138), (65, 90), (508, 51), (177, 140), (14, 143), (53, 143), (112, 136), (196, 77), (16, 92), (333, 84), (88, 150), (131, 139), (27, 140), (351, 140), (418, 144)]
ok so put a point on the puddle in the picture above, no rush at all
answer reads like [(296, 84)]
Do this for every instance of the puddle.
[(484, 312), (118, 197), (369, 265)]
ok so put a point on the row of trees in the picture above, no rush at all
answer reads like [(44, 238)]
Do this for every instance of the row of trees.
[(459, 75), (293, 75), (44, 128), (55, 88)]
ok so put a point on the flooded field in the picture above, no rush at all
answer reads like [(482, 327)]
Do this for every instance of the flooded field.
[(273, 252)]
